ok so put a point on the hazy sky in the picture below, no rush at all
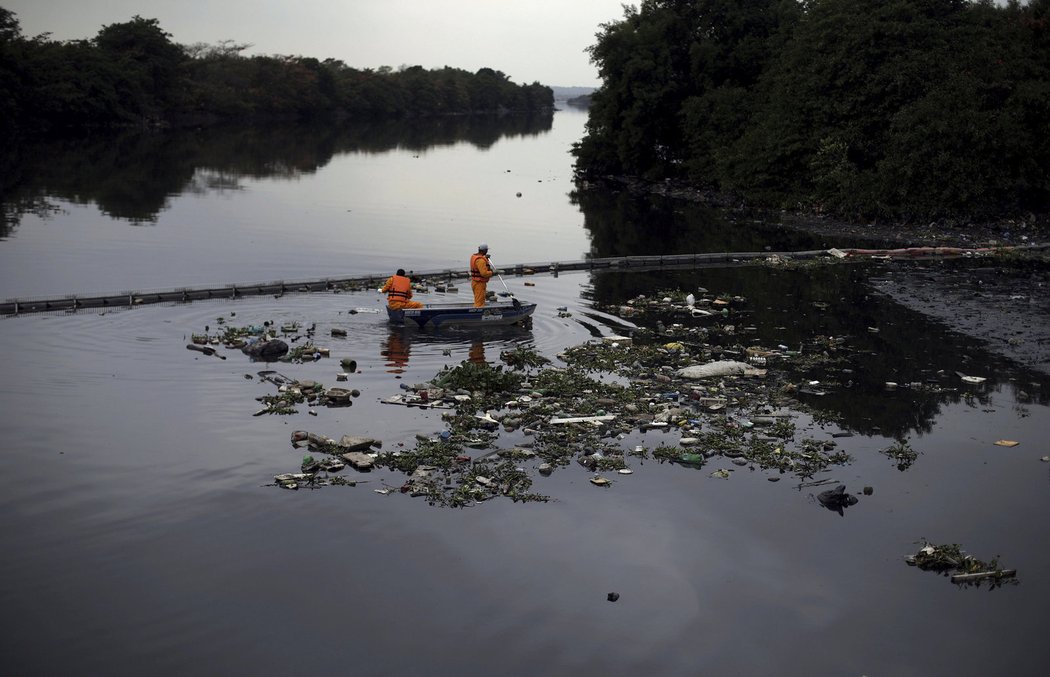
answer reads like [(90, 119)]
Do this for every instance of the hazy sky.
[(529, 40)]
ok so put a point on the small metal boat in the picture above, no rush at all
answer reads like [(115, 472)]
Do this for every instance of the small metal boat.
[(498, 314)]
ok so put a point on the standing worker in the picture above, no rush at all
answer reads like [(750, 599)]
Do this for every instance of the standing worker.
[(480, 272), (399, 292)]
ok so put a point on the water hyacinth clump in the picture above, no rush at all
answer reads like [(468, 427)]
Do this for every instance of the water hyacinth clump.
[(522, 357), (902, 453), (950, 560)]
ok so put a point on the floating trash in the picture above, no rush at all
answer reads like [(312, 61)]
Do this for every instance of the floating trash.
[(963, 569), (836, 500)]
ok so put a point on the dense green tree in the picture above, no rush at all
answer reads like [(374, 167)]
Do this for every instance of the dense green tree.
[(11, 84), (903, 109), (676, 76), (132, 73), (148, 60)]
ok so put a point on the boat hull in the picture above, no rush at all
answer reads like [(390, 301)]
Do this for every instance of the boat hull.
[(463, 315)]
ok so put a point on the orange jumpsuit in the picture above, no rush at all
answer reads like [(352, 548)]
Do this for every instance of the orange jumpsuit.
[(399, 293), (480, 272)]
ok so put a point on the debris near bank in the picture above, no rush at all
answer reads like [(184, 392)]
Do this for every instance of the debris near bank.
[(1000, 301), (260, 343), (267, 342), (333, 457), (292, 392), (713, 402), (689, 393), (961, 568), (699, 384)]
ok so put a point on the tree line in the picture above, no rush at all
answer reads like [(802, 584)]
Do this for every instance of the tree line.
[(132, 72), (878, 109)]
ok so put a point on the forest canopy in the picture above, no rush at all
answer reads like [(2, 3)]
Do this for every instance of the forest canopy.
[(894, 109), (132, 72)]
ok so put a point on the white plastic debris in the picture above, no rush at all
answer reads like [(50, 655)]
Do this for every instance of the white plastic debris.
[(720, 368)]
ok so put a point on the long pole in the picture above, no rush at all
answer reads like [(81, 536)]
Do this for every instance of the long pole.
[(514, 300), (500, 278)]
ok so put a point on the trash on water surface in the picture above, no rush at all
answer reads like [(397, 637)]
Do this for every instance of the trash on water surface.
[(836, 500), (1006, 443), (359, 460), (267, 351), (583, 419), (950, 559), (207, 350), (720, 368)]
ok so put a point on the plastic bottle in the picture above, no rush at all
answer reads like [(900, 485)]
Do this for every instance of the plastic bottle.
[(690, 300)]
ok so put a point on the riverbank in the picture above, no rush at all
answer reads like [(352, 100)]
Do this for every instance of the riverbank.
[(1007, 232)]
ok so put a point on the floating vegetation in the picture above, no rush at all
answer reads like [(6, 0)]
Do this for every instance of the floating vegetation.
[(578, 414), (283, 403), (960, 567), (232, 335), (439, 454), (809, 458), (304, 352), (675, 454), (481, 377), (902, 453), (522, 357), (474, 484)]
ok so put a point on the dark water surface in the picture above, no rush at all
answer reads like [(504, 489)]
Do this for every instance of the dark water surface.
[(141, 536)]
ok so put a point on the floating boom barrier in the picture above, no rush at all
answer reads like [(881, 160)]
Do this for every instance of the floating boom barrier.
[(130, 299)]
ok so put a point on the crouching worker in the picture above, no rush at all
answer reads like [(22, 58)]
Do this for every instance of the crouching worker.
[(399, 292)]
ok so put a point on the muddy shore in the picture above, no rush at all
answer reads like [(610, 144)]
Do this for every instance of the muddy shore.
[(1000, 299), (1031, 229)]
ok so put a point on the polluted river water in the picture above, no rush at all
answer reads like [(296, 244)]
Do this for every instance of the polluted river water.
[(145, 529)]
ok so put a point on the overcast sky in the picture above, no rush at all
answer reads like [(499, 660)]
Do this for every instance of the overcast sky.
[(529, 40)]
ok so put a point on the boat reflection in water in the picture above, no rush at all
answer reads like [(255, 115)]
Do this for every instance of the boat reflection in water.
[(448, 346)]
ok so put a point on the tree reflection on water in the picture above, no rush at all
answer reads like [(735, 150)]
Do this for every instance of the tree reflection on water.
[(131, 174)]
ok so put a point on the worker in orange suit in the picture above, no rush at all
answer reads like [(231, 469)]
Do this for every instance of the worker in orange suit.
[(480, 272), (399, 292)]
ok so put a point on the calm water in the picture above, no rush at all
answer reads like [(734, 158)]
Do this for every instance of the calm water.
[(140, 535)]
